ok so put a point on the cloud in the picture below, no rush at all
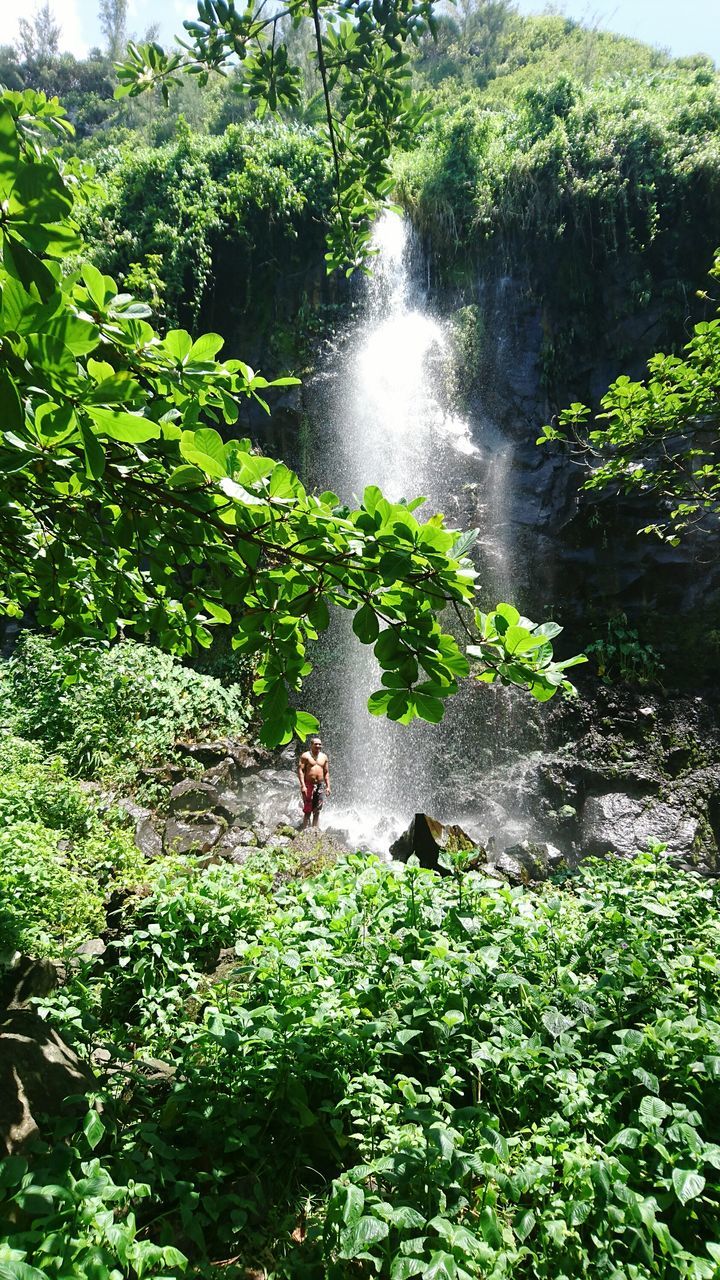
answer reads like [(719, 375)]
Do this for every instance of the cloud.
[(73, 31)]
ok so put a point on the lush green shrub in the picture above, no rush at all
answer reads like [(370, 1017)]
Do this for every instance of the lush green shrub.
[(618, 163), (70, 1217), (58, 859), (621, 655), (109, 710), (403, 1075), (205, 219), (601, 199), (490, 45), (47, 905)]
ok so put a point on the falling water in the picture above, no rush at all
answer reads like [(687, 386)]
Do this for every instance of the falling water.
[(382, 417)]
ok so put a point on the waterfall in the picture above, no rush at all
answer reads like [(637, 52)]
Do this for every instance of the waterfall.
[(380, 415)]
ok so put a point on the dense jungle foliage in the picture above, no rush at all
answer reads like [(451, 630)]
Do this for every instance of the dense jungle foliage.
[(569, 152), (163, 219), (124, 510), (374, 1071), (108, 712)]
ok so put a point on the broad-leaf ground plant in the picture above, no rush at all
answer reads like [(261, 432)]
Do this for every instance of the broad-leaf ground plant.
[(124, 510), (390, 1073)]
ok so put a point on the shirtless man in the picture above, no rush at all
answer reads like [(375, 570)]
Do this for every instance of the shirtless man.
[(314, 779)]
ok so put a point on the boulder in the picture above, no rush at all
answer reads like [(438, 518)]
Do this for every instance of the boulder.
[(426, 838), (148, 838), (237, 836), (244, 755), (138, 812), (193, 797), (236, 844), (191, 837), (527, 861), (223, 775), (90, 948), (38, 1071), (619, 823), (166, 773), (238, 854), (234, 807), (24, 977)]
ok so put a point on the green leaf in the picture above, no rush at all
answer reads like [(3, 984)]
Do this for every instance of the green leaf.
[(625, 1138), (508, 613), (94, 283), (378, 702), (371, 497), (79, 336), (205, 449), (128, 428), (687, 1184), (119, 388), (549, 630), (428, 708), (204, 348), (186, 476), (556, 1022), (12, 1170), (318, 615), (93, 1128), (94, 453), (442, 1266), (217, 611), (653, 1110), (403, 1268), (464, 543), (387, 647), (355, 1239), (305, 724), (12, 417), (518, 639), (9, 152), (17, 1270), (178, 344), (365, 625), (354, 1204), (525, 1225)]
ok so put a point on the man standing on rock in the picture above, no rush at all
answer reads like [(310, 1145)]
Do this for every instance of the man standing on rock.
[(314, 779)]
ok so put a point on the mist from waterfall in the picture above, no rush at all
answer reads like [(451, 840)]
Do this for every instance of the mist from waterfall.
[(382, 416)]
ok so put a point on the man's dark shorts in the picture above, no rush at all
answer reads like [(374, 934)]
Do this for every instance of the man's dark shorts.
[(314, 797)]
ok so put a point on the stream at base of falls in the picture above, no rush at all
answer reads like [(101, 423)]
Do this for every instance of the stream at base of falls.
[(380, 413)]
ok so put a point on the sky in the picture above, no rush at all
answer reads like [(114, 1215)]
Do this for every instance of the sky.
[(681, 26)]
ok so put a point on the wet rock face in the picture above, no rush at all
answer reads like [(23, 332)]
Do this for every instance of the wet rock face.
[(243, 754), (619, 823), (193, 797), (527, 861), (238, 803), (148, 839), (635, 768)]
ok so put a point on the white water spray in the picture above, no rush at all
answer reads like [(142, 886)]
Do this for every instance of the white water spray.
[(386, 421)]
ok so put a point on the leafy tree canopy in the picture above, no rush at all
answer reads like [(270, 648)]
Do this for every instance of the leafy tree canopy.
[(123, 508), (659, 436)]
